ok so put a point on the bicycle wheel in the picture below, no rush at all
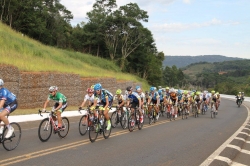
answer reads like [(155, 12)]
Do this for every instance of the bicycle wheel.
[(83, 128), (131, 123), (12, 142), (44, 130), (150, 118), (183, 113), (94, 129), (123, 120), (140, 125), (65, 128), (106, 133), (114, 119)]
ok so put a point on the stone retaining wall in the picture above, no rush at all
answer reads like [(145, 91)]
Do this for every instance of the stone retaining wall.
[(31, 88)]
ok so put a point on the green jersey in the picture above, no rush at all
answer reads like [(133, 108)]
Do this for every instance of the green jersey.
[(59, 98)]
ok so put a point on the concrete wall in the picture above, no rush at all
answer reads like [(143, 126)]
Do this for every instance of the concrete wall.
[(31, 88)]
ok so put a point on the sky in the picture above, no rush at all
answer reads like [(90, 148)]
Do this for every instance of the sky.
[(189, 27)]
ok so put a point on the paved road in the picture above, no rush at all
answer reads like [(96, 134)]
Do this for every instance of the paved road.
[(182, 142)]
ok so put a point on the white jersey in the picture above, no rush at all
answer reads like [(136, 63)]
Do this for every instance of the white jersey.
[(89, 98), (142, 95)]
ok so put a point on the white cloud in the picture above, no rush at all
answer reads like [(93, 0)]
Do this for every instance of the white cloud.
[(177, 27), (186, 1)]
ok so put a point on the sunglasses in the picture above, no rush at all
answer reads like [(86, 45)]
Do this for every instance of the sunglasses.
[(51, 91)]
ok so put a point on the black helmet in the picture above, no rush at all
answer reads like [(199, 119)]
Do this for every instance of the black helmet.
[(129, 88)]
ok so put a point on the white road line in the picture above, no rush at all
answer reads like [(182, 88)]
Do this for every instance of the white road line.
[(248, 142), (225, 159), (245, 151), (216, 153), (237, 164), (234, 147), (242, 139)]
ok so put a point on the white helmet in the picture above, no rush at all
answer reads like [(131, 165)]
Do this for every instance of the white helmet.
[(53, 88), (171, 90), (1, 82)]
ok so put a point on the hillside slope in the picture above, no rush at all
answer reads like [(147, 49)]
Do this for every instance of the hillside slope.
[(30, 55), (183, 61)]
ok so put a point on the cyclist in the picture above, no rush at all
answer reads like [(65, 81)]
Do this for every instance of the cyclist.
[(59, 106), (238, 97), (88, 98), (174, 99), (185, 100), (120, 100), (167, 92), (154, 99), (103, 100), (8, 104), (213, 100), (142, 96), (161, 98), (179, 93), (197, 99), (133, 101), (218, 98), (205, 99)]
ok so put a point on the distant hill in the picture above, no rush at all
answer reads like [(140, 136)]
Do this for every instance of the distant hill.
[(183, 61)]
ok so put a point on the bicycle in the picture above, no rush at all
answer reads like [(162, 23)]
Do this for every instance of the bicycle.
[(98, 125), (48, 123), (204, 108), (152, 115), (134, 119), (195, 111), (12, 142), (184, 111), (239, 101), (83, 126), (161, 111), (213, 113), (119, 116)]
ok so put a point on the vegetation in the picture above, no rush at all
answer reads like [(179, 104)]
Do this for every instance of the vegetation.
[(116, 34), (229, 77)]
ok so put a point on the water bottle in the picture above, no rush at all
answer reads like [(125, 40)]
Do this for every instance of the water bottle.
[(137, 117), (119, 114), (101, 121)]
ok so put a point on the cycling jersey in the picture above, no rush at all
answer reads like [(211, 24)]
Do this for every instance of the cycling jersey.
[(154, 96), (173, 96), (89, 98), (104, 94), (120, 99), (134, 97), (142, 96), (197, 98), (59, 98), (214, 97), (185, 99), (6, 95), (179, 97), (161, 97)]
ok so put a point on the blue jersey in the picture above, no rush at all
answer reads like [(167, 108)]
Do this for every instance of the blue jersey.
[(104, 94), (179, 97), (154, 96), (6, 95), (161, 96), (134, 97)]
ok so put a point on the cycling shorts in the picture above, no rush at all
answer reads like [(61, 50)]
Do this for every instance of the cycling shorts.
[(64, 106), (11, 107)]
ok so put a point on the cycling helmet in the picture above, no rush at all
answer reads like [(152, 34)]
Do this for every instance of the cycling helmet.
[(1, 82), (152, 89), (239, 92), (212, 91), (92, 86), (217, 93), (167, 88), (129, 88), (137, 87), (159, 87), (179, 91), (119, 91), (172, 90), (185, 92), (53, 88), (97, 86), (242, 92), (90, 90), (146, 92), (192, 94), (198, 93)]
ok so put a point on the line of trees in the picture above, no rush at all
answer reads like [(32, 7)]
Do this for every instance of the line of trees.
[(113, 33)]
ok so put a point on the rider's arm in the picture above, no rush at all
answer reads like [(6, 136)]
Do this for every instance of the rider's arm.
[(59, 106), (45, 104), (107, 102), (2, 103)]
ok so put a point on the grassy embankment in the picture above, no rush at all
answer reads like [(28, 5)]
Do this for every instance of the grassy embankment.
[(31, 55)]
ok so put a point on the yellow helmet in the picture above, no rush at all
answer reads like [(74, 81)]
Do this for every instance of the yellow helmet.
[(119, 91)]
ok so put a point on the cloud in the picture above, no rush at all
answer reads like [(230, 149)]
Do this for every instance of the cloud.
[(177, 27), (186, 1)]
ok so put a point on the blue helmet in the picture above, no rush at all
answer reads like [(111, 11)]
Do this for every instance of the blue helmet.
[(98, 86), (160, 91), (179, 91), (137, 87), (152, 89)]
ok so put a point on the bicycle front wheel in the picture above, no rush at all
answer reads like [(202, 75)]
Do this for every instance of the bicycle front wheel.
[(44, 130), (83, 126), (131, 123), (123, 120), (94, 128), (106, 133), (65, 128), (12, 142), (114, 119)]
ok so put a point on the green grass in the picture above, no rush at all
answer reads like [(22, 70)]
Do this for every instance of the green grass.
[(31, 55)]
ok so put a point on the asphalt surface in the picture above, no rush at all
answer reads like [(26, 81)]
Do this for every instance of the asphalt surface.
[(181, 142)]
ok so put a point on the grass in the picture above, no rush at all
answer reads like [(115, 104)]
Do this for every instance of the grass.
[(31, 55)]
